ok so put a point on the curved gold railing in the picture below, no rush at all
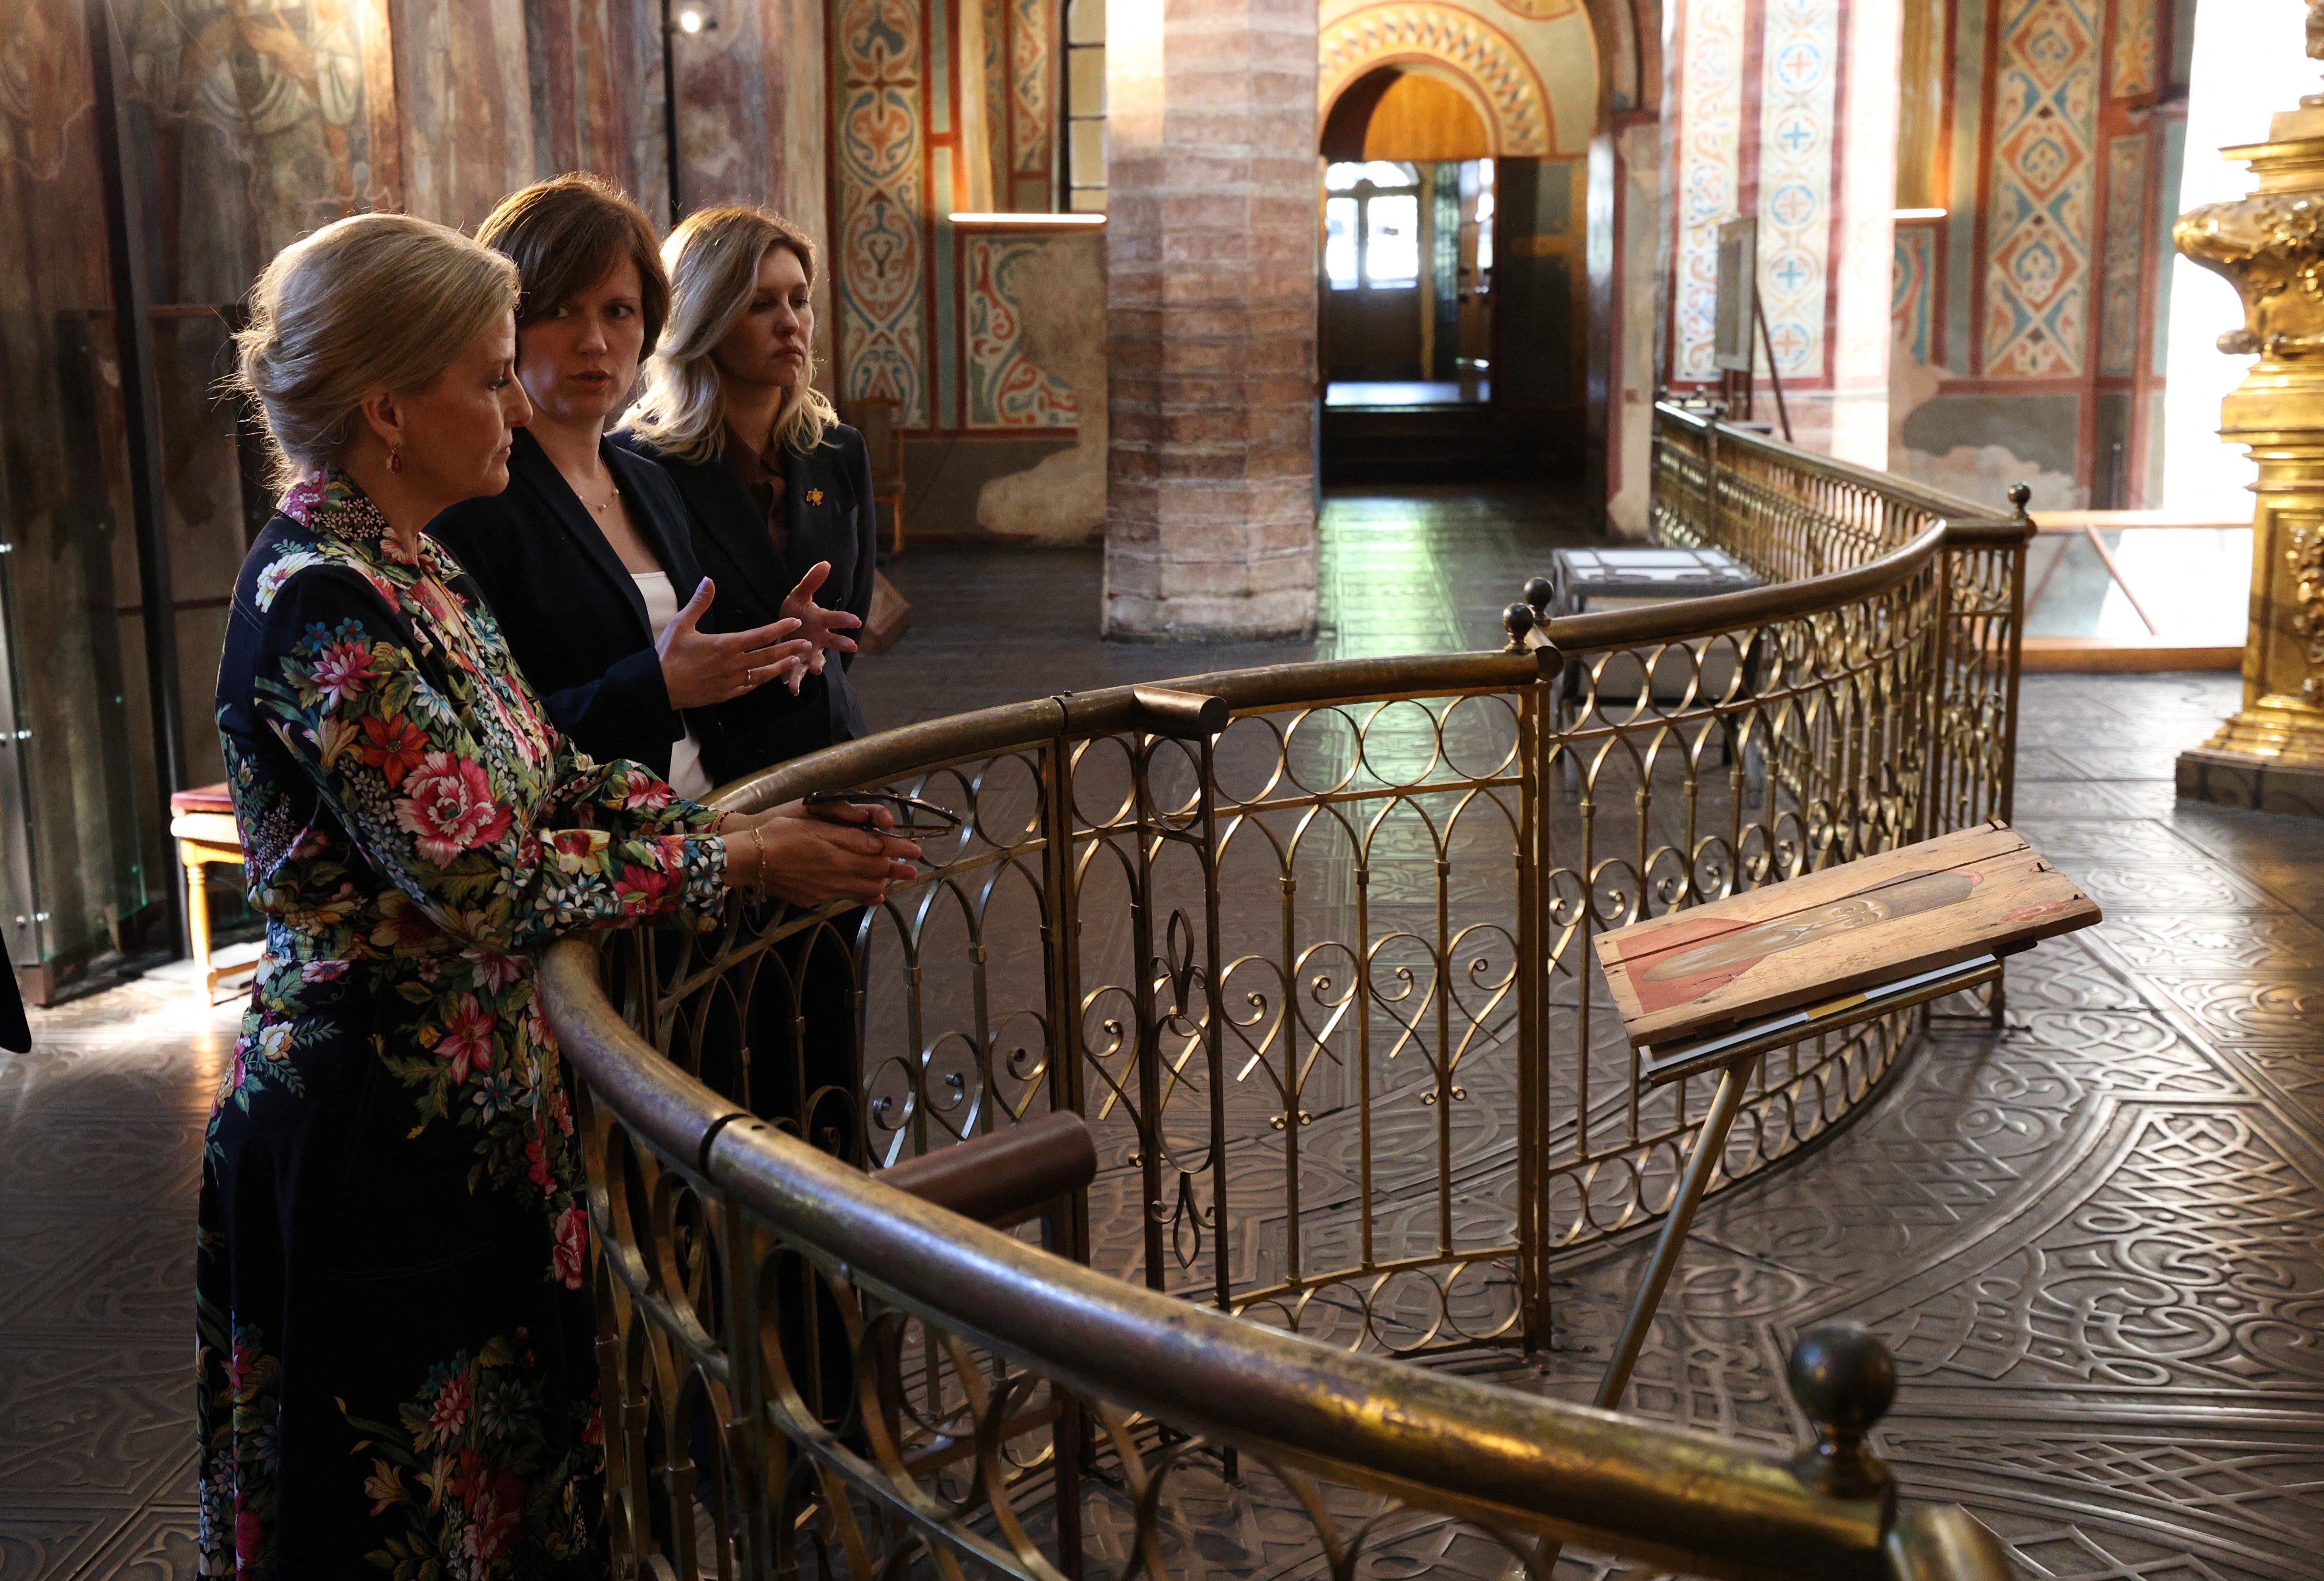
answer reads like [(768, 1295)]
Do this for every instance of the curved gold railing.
[(1308, 947), (996, 1380)]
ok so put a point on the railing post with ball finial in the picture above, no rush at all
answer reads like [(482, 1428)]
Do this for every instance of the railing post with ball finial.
[(1844, 1380)]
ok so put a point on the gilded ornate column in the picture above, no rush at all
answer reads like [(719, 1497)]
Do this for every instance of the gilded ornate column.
[(2270, 246)]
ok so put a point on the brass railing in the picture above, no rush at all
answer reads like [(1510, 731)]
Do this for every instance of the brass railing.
[(1308, 948)]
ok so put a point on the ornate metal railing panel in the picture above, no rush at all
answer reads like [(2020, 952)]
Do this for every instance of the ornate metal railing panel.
[(1791, 515), (1309, 949)]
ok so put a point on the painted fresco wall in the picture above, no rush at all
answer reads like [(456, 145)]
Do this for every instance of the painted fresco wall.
[(63, 514), (1530, 67), (1785, 113), (2028, 320), (2024, 320), (937, 105)]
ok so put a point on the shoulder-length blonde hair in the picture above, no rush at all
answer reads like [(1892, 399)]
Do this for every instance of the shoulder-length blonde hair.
[(714, 258)]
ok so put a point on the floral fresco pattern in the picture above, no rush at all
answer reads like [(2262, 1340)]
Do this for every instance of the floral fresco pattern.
[(1006, 388), (2039, 208), (1711, 135), (880, 120)]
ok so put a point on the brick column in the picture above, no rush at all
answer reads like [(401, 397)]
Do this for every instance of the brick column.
[(1210, 319)]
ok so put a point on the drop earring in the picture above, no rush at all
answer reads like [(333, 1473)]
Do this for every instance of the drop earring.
[(395, 458)]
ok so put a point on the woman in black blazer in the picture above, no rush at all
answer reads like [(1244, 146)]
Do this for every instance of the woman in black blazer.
[(778, 489), (587, 560), (585, 557)]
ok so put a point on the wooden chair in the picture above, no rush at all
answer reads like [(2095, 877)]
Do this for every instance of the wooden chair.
[(201, 821), (876, 417)]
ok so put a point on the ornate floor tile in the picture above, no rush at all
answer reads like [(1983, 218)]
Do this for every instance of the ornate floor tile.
[(2036, 799), (2184, 1260), (93, 1424), (158, 1545), (132, 1277), (2194, 886), (2286, 1008), (2036, 765), (105, 1161), (2127, 840), (2152, 798), (2158, 761), (42, 1545), (2049, 1548), (2234, 834), (2233, 1497), (2299, 885), (38, 1250), (2211, 943)]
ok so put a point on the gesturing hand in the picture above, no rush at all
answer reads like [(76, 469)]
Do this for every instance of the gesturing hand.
[(824, 628), (701, 667)]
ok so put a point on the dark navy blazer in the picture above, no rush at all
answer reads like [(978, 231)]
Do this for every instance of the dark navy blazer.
[(573, 616), (828, 511)]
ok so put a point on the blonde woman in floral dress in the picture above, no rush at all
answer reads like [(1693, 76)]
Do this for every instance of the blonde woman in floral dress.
[(396, 1367)]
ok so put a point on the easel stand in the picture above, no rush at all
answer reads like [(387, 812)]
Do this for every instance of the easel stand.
[(1736, 1056)]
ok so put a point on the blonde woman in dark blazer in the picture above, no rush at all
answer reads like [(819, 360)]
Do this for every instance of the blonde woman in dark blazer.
[(778, 489)]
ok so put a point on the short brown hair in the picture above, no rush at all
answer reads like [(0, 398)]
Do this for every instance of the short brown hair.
[(565, 235)]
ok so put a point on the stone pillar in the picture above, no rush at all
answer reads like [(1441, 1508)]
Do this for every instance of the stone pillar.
[(2270, 246), (1212, 223)]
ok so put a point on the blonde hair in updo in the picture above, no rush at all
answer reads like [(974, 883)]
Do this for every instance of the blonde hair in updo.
[(378, 301)]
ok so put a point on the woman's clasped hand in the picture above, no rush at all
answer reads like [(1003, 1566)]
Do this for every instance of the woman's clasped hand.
[(816, 856)]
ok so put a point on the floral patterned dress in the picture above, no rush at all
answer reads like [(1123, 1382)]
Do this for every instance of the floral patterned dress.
[(396, 1367)]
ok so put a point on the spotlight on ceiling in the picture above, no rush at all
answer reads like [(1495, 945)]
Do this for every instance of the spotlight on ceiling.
[(693, 19)]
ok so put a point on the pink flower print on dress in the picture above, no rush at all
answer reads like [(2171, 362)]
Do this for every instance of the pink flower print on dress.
[(343, 671), (449, 1412), (646, 790), (249, 1537), (493, 970), (449, 804), (495, 1519), (642, 889), (572, 1244), (536, 1168), (468, 1042), (300, 500)]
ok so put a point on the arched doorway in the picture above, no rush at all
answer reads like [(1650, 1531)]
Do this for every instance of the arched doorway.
[(1453, 292), (1407, 245)]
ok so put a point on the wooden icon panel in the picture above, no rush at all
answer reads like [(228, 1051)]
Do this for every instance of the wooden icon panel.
[(1983, 890)]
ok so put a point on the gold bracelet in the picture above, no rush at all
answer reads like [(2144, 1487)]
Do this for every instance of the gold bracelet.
[(759, 843)]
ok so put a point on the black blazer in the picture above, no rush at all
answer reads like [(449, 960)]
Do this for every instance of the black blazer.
[(573, 617), (827, 504)]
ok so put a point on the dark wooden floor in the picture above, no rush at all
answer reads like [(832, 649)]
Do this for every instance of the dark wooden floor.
[(2095, 1241)]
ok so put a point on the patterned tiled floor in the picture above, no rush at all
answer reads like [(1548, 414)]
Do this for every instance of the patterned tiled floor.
[(2096, 1242)]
